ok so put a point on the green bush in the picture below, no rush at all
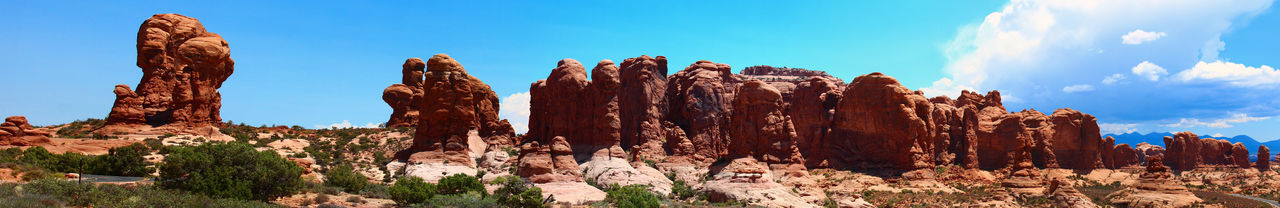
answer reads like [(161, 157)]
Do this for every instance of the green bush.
[(631, 196), (518, 192), (466, 200), (377, 191), (682, 190), (344, 176), (459, 184), (230, 170), (123, 161), (411, 190), (59, 193)]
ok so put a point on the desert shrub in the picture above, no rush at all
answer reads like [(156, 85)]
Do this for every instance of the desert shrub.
[(10, 155), (631, 196), (321, 199), (681, 190), (377, 191), (81, 128), (517, 192), (230, 170), (459, 184), (464, 200), (59, 193), (344, 176), (411, 190), (123, 161)]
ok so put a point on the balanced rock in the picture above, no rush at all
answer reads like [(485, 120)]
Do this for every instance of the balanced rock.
[(182, 68), (401, 97)]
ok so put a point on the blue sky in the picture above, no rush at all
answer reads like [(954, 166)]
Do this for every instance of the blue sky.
[(325, 63)]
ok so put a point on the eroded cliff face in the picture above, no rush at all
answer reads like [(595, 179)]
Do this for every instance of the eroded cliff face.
[(455, 111), (401, 97), (182, 68)]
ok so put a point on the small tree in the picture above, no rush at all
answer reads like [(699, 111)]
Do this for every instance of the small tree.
[(632, 196), (344, 176), (411, 190), (124, 161), (230, 170), (518, 192), (459, 184)]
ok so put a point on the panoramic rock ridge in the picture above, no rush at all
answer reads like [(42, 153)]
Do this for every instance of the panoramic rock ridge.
[(182, 68)]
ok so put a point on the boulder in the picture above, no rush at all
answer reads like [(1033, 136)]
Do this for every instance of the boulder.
[(1125, 156), (548, 163), (1147, 150), (182, 68), (1240, 155), (699, 102), (17, 132)]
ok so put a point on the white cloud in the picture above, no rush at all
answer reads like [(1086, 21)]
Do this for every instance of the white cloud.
[(1138, 37), (346, 124), (1217, 135), (515, 108), (1218, 123), (1232, 73), (1113, 79), (946, 87), (1149, 71), (1117, 128), (1077, 88)]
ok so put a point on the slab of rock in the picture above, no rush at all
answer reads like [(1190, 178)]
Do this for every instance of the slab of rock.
[(182, 68), (1063, 195), (552, 162), (881, 124), (745, 179)]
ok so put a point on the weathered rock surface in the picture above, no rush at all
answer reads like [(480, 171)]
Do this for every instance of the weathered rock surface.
[(814, 104), (1147, 150), (546, 163), (1125, 156), (182, 68), (1240, 155), (1264, 158), (1155, 188), (401, 97), (1063, 195), (760, 129), (642, 103), (583, 111), (746, 179), (699, 97), (881, 124), (1077, 142), (17, 132), (453, 105)]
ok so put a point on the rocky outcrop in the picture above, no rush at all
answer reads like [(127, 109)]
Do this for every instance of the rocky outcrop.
[(454, 104), (401, 97), (550, 162), (787, 80), (1155, 188), (1183, 150), (182, 68), (814, 104), (1077, 142), (1004, 138), (642, 103), (1125, 156), (17, 132), (1239, 155), (881, 124), (1063, 195), (760, 129), (1147, 150), (699, 97), (1264, 158)]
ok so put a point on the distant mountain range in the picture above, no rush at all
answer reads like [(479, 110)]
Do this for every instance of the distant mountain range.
[(1157, 138)]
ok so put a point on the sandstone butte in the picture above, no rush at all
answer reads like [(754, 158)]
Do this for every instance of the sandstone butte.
[(183, 65)]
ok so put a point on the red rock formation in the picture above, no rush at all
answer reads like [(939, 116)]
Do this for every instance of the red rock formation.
[(17, 132), (814, 107), (1264, 158), (182, 68), (401, 97), (453, 104), (1125, 156), (1002, 140), (1239, 155), (699, 98), (787, 80), (881, 124), (1076, 140), (1108, 152), (642, 104), (1184, 150), (127, 108), (548, 163), (760, 128), (566, 104), (1147, 150)]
